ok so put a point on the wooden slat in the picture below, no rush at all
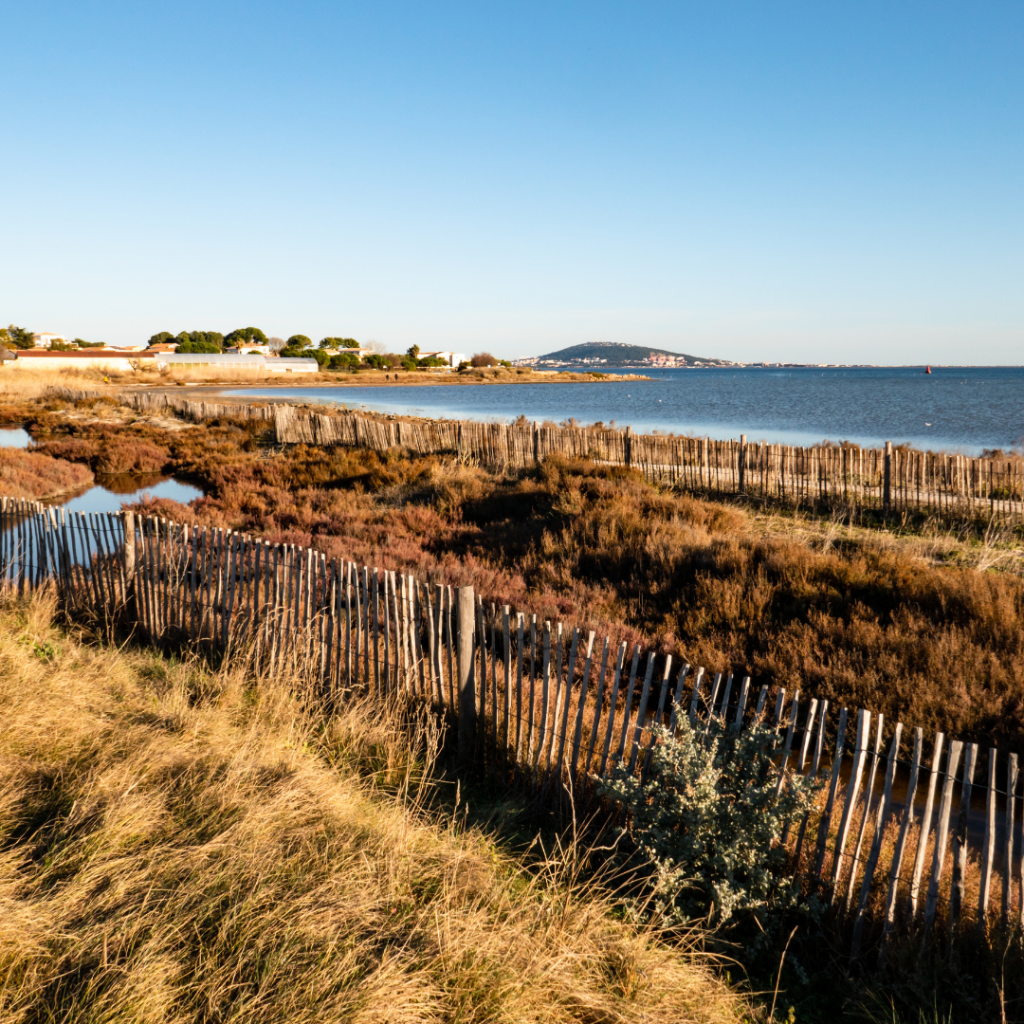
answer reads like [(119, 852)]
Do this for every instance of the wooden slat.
[(1012, 772), (581, 707), (621, 749), (599, 693), (901, 843), (610, 728), (826, 817), (794, 712), (989, 846), (641, 712), (957, 890), (520, 731), (562, 715), (868, 797), (941, 833), (852, 792), (881, 820), (926, 823)]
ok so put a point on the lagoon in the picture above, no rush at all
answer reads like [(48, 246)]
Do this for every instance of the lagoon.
[(962, 409)]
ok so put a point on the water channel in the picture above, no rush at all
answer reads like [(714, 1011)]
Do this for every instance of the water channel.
[(110, 491)]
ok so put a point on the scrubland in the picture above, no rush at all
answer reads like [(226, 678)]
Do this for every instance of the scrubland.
[(184, 844), (25, 474), (905, 625)]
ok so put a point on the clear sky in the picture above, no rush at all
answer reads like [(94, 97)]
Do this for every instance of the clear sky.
[(764, 180)]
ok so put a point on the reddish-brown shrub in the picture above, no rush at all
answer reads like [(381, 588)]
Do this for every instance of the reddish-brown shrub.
[(29, 474)]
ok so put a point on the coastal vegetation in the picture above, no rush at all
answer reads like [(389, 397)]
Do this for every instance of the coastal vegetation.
[(904, 624), (187, 843), (925, 629), (25, 474)]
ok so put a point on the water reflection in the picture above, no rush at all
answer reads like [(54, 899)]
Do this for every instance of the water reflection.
[(111, 492)]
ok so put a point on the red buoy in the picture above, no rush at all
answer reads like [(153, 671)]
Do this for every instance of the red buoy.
[(927, 369)]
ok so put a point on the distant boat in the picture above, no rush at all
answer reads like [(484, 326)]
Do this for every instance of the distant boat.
[(927, 369)]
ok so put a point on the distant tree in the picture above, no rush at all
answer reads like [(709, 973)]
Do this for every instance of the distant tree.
[(377, 347), (343, 360), (376, 360), (58, 345), (299, 341), (90, 344), (431, 361), (276, 344), (160, 339), (241, 335), (414, 353), (483, 359), (339, 343), (191, 346), (16, 337), (294, 352)]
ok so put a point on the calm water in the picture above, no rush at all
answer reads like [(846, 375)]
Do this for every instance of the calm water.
[(14, 437), (109, 493), (962, 409), (113, 492)]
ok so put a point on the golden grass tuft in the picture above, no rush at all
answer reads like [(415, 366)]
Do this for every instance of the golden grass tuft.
[(176, 845)]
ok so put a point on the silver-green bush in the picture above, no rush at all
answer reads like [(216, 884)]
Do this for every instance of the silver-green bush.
[(709, 814)]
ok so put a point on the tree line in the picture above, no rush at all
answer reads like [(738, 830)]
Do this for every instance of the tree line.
[(22, 338)]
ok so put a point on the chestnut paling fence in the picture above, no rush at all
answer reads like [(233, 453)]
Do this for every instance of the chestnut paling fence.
[(892, 479), (906, 833)]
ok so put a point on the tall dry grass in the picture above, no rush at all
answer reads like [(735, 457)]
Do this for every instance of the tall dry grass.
[(181, 845)]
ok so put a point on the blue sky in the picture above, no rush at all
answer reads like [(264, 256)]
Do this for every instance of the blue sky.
[(812, 182)]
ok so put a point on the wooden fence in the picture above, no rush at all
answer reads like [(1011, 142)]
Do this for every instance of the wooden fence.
[(545, 707), (890, 479)]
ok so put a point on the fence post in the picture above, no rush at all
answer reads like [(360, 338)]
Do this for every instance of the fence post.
[(129, 565), (887, 478), (743, 463), (466, 609), (536, 442), (627, 445)]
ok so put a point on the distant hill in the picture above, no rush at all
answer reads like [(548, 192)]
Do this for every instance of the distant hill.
[(614, 354)]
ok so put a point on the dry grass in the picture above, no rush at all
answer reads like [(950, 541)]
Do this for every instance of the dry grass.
[(178, 845), (26, 474)]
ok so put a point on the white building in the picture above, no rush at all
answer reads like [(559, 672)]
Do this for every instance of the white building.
[(247, 349), (231, 359), (451, 359), (95, 358), (45, 340)]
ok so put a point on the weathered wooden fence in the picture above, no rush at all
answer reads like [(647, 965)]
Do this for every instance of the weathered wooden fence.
[(900, 839), (891, 479)]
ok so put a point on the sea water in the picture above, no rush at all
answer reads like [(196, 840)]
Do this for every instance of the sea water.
[(961, 409)]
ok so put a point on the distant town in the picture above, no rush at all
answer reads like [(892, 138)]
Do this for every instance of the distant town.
[(617, 355)]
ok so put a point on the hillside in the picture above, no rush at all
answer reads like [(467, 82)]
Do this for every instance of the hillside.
[(181, 845), (614, 354)]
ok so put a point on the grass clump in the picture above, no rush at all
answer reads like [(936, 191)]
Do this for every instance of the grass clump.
[(178, 844)]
